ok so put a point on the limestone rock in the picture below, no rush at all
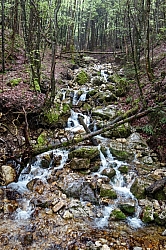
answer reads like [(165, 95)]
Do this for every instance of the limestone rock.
[(8, 174), (78, 164)]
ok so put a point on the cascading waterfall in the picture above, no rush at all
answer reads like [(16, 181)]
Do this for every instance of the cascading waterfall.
[(122, 189), (36, 172)]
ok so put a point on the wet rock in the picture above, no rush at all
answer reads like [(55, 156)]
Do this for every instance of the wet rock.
[(147, 215), (156, 189), (84, 152), (59, 206), (105, 113), (138, 188), (123, 169), (107, 191), (67, 215), (27, 239), (127, 208), (8, 174), (110, 172), (78, 164), (122, 131), (117, 214), (36, 185), (13, 194)]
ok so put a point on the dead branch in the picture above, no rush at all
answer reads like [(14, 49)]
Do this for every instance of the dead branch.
[(127, 117)]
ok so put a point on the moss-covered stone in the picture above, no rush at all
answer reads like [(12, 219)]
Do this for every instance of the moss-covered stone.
[(123, 169), (122, 131), (127, 208), (84, 152), (160, 218), (117, 214), (120, 154), (107, 191), (82, 78), (110, 172), (148, 215), (138, 189)]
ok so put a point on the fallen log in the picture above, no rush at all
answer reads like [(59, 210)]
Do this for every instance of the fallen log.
[(127, 117)]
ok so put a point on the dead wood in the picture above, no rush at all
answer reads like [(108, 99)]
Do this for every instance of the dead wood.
[(127, 117)]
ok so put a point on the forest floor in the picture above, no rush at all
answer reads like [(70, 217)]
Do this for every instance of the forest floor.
[(19, 102)]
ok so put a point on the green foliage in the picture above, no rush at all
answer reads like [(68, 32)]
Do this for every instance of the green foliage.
[(15, 82), (52, 116), (36, 85), (41, 140), (117, 214), (148, 129), (82, 78)]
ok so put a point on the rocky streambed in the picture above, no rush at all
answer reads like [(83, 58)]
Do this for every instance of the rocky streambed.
[(109, 196)]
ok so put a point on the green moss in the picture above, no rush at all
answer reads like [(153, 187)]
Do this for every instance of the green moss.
[(15, 82), (127, 208), (123, 169), (117, 214), (160, 219), (82, 78), (138, 189), (66, 108), (84, 152), (52, 117), (108, 193), (121, 155), (147, 215), (41, 140), (160, 195), (36, 85)]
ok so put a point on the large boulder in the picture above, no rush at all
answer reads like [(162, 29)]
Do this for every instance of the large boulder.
[(84, 152), (79, 163), (107, 191), (8, 175)]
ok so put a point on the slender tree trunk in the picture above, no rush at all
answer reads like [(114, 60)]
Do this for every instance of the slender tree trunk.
[(3, 36)]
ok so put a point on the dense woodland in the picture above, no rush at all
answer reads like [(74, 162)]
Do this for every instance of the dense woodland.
[(133, 31)]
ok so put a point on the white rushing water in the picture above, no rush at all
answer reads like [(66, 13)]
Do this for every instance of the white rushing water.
[(36, 172), (122, 189)]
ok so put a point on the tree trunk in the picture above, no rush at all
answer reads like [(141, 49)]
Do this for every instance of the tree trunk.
[(3, 36)]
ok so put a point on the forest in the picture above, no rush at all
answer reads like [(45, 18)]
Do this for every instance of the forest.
[(83, 124)]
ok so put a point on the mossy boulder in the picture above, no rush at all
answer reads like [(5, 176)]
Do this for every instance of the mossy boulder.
[(147, 215), (58, 115), (80, 163), (160, 218), (138, 189), (107, 191), (128, 209), (110, 172), (122, 131), (82, 77), (120, 154), (123, 169), (117, 214), (121, 85), (84, 152)]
